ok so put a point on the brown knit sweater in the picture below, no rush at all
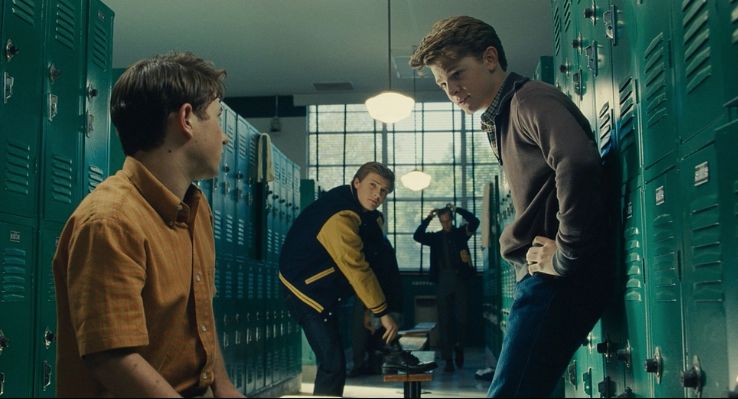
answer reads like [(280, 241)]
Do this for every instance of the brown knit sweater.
[(554, 173)]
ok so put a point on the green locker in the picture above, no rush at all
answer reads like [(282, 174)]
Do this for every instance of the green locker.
[(565, 58), (44, 333), (63, 88), (99, 45), (709, 232), (17, 299), (585, 48), (228, 185), (117, 157), (663, 271), (635, 351), (726, 140), (727, 14), (20, 113), (656, 85), (698, 65)]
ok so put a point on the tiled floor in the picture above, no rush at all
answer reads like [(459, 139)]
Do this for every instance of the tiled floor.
[(460, 383)]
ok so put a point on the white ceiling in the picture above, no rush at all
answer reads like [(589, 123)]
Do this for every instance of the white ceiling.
[(282, 47)]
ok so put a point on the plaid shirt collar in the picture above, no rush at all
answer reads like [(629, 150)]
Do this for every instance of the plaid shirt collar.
[(488, 125)]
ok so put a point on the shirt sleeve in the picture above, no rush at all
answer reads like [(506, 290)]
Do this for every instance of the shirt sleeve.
[(105, 278), (568, 147), (340, 237)]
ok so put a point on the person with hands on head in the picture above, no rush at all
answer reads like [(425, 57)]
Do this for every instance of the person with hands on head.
[(451, 269), (322, 263), (134, 266), (558, 242)]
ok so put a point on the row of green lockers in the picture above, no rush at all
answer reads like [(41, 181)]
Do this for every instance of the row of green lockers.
[(59, 145), (657, 81)]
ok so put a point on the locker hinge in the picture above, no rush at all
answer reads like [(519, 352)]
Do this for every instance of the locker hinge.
[(606, 388)]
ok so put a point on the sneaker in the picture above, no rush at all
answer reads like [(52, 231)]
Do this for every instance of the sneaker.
[(449, 367), (459, 356)]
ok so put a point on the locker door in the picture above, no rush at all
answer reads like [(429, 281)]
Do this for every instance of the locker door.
[(707, 235), (637, 380), (728, 49), (16, 306), (656, 85), (698, 66), (229, 179), (20, 112), (62, 135), (44, 334), (663, 246), (241, 196), (99, 42)]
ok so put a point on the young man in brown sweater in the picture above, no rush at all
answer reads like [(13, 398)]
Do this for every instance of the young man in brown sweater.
[(557, 242)]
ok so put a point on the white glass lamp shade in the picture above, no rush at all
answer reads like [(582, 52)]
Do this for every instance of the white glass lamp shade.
[(416, 180), (389, 107)]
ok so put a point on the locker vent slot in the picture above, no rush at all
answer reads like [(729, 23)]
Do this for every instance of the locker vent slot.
[(229, 228), (705, 249), (734, 21), (61, 179), (239, 283), (605, 128), (695, 24), (656, 99), (665, 259), (627, 124), (66, 24), (241, 232), (95, 176), (634, 263), (228, 283), (100, 44), (567, 15), (50, 286), (18, 168), (218, 224), (13, 275), (557, 32), (218, 284), (25, 10)]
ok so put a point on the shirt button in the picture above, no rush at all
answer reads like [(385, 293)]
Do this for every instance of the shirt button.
[(204, 328), (339, 299), (330, 314), (325, 320), (197, 277)]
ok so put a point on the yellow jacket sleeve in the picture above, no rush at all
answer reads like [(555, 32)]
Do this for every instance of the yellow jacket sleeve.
[(340, 237)]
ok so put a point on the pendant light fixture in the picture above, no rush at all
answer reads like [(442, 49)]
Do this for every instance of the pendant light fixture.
[(416, 179), (388, 106)]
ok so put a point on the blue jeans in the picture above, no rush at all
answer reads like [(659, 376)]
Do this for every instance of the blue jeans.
[(549, 320), (322, 334)]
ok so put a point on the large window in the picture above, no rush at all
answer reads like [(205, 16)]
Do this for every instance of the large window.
[(438, 137)]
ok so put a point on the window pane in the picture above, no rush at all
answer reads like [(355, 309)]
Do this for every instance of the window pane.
[(330, 121), (408, 252), (360, 148), (330, 149), (439, 147), (331, 176), (360, 121)]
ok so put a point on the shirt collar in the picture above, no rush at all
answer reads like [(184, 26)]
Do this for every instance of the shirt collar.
[(493, 110), (171, 209)]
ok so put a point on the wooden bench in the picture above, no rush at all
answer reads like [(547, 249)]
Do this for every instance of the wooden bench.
[(411, 382), (416, 338)]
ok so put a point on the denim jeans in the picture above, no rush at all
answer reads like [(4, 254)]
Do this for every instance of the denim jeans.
[(322, 334), (549, 320)]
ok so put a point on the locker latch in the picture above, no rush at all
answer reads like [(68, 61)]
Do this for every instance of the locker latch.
[(610, 17), (625, 355), (8, 81), (606, 388), (592, 61), (655, 365), (2, 384), (53, 106), (571, 373), (587, 382), (47, 375), (694, 377)]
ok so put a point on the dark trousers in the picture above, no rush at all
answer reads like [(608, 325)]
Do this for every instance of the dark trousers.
[(452, 320), (322, 335), (359, 335), (549, 320)]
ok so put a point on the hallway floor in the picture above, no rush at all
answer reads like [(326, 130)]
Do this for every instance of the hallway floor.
[(460, 383)]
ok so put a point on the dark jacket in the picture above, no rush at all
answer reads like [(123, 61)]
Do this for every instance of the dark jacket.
[(461, 261), (322, 261), (382, 259)]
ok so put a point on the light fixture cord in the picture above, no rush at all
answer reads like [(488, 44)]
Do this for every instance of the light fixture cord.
[(415, 126), (389, 45)]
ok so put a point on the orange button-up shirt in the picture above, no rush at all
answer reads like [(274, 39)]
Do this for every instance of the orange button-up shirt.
[(134, 268)]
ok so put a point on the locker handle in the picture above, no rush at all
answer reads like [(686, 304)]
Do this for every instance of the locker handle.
[(2, 384), (54, 73), (610, 18), (47, 375), (53, 106), (8, 82), (48, 338)]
